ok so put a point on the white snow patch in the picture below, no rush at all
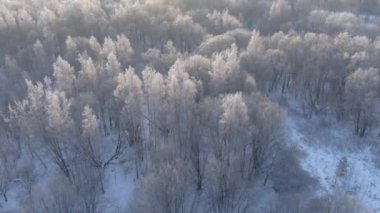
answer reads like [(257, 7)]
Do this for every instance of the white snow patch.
[(321, 161), (120, 186), (13, 204)]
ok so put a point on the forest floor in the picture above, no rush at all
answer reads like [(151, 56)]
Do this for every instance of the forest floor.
[(120, 186), (325, 143)]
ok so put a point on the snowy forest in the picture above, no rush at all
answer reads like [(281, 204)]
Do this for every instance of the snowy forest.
[(187, 106)]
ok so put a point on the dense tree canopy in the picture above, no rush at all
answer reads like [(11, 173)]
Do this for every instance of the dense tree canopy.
[(185, 91)]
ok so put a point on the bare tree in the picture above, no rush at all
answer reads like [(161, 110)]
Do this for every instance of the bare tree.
[(361, 92), (7, 163), (267, 131), (60, 196), (165, 191), (337, 202), (225, 190)]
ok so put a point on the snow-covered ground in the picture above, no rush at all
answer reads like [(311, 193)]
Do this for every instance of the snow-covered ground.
[(325, 144), (120, 185), (13, 204)]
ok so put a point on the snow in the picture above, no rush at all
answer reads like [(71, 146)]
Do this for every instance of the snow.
[(120, 185), (325, 144), (324, 141), (12, 205)]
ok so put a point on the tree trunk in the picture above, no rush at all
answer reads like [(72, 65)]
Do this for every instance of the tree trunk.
[(5, 196)]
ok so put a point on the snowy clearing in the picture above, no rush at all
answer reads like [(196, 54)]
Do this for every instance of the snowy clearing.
[(322, 158)]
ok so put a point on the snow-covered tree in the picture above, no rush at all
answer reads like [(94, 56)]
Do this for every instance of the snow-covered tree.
[(181, 91), (64, 76), (156, 103), (129, 97), (220, 22), (164, 192), (91, 137), (267, 132), (226, 76), (59, 130), (216, 44), (361, 91), (234, 130), (124, 50)]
